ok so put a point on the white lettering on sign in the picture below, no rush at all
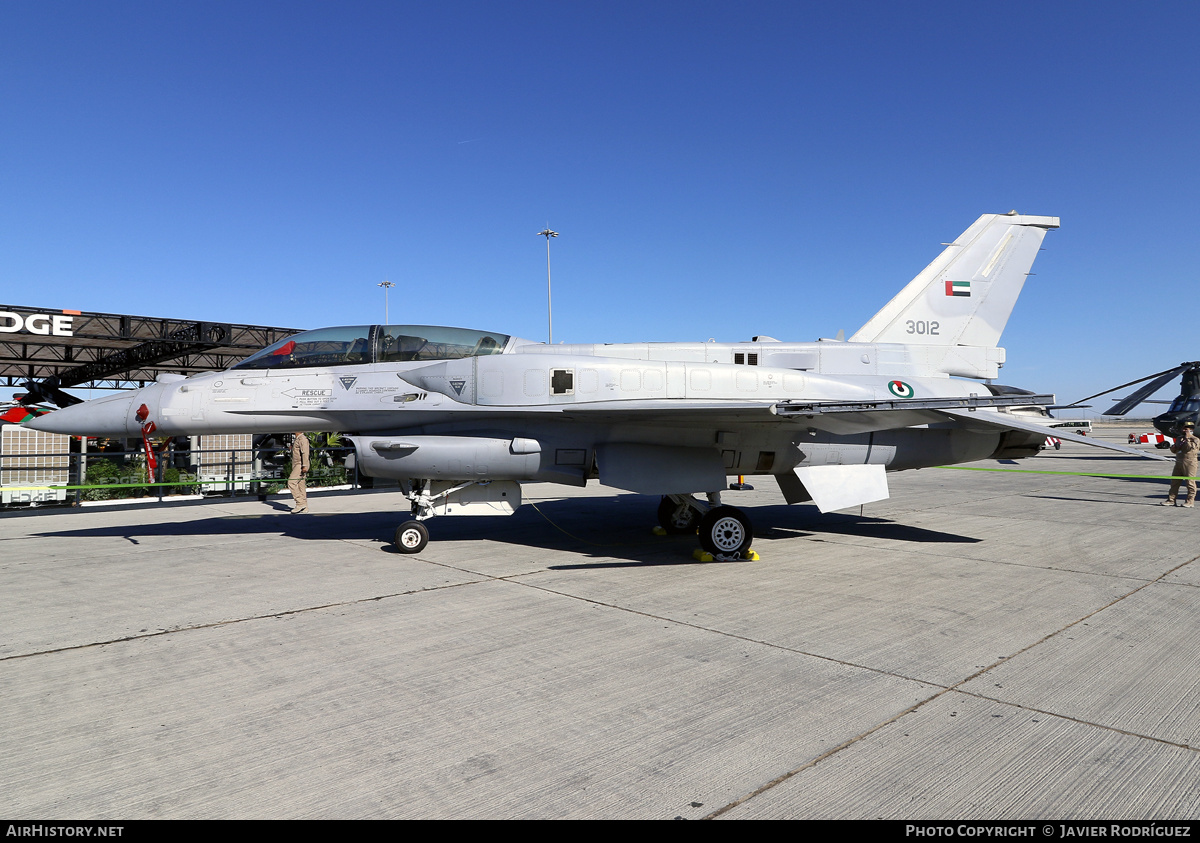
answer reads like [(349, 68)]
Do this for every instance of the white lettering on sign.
[(36, 323)]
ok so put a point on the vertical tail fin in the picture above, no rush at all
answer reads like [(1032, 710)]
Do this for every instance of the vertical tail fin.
[(966, 295)]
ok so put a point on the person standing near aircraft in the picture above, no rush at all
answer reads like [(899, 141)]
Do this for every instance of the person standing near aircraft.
[(300, 458), (1187, 451)]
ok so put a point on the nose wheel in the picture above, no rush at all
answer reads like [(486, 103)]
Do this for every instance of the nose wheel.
[(411, 537)]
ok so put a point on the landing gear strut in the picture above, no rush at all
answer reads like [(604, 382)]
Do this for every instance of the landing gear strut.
[(412, 536), (678, 517)]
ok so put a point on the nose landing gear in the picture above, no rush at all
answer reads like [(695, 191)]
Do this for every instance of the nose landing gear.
[(411, 537)]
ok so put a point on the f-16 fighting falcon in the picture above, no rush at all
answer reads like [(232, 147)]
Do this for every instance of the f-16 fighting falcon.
[(462, 417)]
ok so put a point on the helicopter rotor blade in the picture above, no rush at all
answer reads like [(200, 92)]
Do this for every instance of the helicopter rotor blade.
[(1126, 404), (1170, 373)]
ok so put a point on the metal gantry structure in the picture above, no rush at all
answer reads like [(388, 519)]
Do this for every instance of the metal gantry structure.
[(47, 350)]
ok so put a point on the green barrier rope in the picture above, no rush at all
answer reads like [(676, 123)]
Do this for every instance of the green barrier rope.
[(1069, 473)]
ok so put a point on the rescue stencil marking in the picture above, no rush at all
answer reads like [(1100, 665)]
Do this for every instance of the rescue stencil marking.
[(309, 397)]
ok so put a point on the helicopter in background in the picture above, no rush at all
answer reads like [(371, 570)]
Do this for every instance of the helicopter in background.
[(1185, 407)]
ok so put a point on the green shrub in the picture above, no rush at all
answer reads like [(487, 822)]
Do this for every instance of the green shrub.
[(174, 475), (108, 472), (99, 473), (326, 475)]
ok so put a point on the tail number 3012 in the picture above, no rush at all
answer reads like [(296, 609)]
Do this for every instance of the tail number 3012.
[(920, 326)]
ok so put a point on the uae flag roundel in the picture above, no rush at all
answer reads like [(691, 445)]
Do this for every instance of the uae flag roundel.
[(900, 389)]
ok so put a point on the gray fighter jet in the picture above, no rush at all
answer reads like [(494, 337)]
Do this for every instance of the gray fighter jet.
[(462, 417)]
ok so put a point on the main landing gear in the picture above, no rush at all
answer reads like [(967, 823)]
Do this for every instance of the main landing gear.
[(724, 531), (678, 514)]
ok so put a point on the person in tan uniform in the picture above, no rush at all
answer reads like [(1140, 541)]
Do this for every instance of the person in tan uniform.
[(300, 453), (1186, 450)]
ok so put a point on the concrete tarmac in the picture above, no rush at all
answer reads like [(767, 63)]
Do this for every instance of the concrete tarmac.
[(982, 645)]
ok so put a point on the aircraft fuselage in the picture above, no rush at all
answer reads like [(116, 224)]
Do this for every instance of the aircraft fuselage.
[(570, 404), (461, 417)]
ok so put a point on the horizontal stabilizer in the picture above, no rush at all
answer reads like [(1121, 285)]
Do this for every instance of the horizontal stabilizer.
[(1011, 422)]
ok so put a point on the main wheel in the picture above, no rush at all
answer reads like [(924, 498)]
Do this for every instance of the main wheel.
[(725, 531), (411, 537), (677, 518)]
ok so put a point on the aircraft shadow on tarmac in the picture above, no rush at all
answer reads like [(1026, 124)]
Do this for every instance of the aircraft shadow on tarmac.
[(786, 520), (313, 525), (625, 531), (619, 527), (595, 526)]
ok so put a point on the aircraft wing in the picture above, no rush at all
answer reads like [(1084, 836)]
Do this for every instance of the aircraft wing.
[(671, 411), (841, 418), (845, 418), (849, 417), (990, 418)]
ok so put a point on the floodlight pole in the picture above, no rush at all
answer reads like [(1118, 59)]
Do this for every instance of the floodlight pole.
[(547, 233), (387, 285)]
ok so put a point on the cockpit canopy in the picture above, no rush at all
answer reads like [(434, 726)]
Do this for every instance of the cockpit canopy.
[(357, 344), (1185, 404)]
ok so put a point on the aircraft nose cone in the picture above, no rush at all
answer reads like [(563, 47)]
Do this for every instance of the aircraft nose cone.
[(102, 417)]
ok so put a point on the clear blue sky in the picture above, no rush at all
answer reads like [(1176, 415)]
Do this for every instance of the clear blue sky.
[(714, 169)]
